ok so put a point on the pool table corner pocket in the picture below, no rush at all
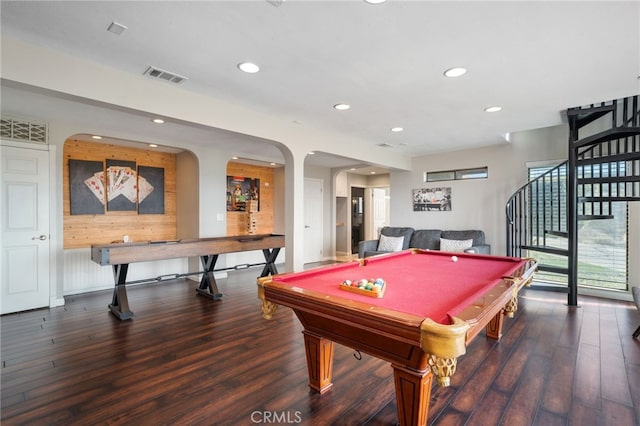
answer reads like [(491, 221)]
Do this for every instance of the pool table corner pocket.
[(444, 344)]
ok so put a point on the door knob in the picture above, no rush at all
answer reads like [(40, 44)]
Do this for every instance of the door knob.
[(41, 238)]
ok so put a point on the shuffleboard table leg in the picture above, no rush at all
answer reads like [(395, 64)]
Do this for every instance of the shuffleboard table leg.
[(120, 303), (270, 259), (208, 286)]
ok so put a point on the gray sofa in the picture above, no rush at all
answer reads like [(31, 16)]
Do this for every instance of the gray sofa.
[(425, 239)]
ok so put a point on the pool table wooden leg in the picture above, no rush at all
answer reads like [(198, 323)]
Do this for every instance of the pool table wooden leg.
[(494, 327), (319, 361), (413, 393)]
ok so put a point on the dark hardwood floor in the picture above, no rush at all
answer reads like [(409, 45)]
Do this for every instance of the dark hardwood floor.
[(187, 360)]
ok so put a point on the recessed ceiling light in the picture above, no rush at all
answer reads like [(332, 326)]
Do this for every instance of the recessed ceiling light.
[(342, 107), (273, 164), (248, 67), (96, 137), (374, 1), (397, 129), (158, 120), (352, 169), (373, 173), (455, 72), (493, 109), (311, 152), (153, 145), (234, 158)]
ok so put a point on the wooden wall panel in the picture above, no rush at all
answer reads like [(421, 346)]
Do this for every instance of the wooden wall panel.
[(84, 230), (236, 221)]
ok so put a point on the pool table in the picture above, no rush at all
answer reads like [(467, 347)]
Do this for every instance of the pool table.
[(433, 305)]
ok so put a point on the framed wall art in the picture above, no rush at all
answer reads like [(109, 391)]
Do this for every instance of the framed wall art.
[(150, 190), (86, 187), (239, 191), (122, 189), (431, 199)]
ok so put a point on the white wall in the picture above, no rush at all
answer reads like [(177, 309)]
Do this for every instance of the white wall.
[(477, 203)]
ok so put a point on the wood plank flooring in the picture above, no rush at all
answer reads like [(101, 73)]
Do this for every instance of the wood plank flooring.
[(187, 360)]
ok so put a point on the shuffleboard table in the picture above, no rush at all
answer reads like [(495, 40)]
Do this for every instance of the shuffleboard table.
[(120, 255), (433, 304)]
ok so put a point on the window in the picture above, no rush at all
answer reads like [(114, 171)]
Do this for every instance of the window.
[(602, 243), (461, 174)]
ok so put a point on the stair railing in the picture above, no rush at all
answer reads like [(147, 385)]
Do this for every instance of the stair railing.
[(536, 210)]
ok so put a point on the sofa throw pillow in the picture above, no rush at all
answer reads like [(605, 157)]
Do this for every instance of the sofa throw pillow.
[(390, 243), (455, 245)]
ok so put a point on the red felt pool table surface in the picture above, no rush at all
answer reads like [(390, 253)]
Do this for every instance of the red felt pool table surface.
[(421, 283)]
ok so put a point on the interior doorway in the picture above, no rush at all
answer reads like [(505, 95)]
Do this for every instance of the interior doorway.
[(25, 229), (313, 224), (377, 212), (357, 217)]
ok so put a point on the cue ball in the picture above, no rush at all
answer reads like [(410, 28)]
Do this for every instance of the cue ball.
[(454, 258)]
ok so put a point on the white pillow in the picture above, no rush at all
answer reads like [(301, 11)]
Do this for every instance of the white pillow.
[(390, 243), (455, 245)]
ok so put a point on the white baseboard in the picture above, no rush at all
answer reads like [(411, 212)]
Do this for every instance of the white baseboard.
[(54, 302)]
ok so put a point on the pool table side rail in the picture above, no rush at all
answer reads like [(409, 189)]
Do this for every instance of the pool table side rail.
[(504, 297)]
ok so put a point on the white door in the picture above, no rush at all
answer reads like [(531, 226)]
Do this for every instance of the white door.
[(313, 208), (24, 217), (380, 208)]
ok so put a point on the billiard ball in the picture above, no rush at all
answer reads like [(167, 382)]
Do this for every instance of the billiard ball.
[(454, 258)]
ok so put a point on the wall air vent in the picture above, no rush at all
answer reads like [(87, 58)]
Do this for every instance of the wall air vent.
[(171, 77), (23, 130)]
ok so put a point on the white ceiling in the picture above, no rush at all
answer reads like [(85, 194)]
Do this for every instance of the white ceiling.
[(535, 59)]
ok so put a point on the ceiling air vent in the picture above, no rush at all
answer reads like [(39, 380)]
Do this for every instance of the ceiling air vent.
[(23, 130), (165, 75), (385, 145)]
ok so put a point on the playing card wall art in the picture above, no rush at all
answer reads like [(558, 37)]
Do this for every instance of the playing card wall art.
[(122, 185), (118, 188), (86, 187), (150, 190)]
